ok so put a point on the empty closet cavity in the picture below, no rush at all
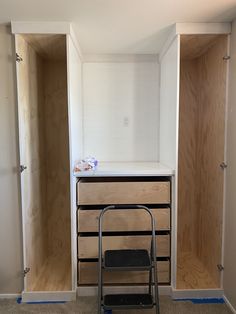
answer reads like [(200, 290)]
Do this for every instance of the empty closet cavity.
[(44, 149), (201, 152)]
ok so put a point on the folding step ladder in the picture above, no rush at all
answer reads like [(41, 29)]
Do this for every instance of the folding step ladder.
[(128, 260)]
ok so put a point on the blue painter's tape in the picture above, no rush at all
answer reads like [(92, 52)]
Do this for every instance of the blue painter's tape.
[(204, 301), (18, 300)]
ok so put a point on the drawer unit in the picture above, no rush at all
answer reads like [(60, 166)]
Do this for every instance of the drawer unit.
[(88, 246), (123, 229), (123, 220), (93, 193), (88, 274)]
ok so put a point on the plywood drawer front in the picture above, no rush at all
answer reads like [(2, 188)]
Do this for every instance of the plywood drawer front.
[(94, 193), (88, 246), (88, 274), (123, 220)]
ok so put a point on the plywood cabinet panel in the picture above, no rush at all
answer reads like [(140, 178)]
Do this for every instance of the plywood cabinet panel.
[(123, 220), (88, 274), (88, 246), (92, 193)]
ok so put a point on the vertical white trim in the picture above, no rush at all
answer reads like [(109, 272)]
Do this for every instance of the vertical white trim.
[(225, 160), (177, 157), (20, 162)]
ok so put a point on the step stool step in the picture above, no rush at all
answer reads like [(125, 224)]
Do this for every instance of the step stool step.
[(127, 260), (128, 301)]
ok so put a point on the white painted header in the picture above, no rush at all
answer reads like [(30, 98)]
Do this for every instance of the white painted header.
[(96, 58), (40, 27)]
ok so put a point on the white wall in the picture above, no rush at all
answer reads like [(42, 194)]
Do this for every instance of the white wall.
[(121, 111), (10, 215), (229, 283)]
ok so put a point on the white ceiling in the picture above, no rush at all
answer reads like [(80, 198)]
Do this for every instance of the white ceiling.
[(119, 26)]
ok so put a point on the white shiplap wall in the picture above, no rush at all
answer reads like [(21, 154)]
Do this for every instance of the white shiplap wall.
[(121, 110)]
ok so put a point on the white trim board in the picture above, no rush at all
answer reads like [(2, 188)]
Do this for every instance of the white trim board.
[(40, 27), (92, 290), (197, 293), (230, 306), (45, 296)]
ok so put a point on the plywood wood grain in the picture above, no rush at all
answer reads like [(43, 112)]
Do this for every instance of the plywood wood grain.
[(54, 275), (33, 187), (123, 220), (212, 93), (201, 151), (192, 273), (88, 246), (123, 193), (88, 274), (194, 46)]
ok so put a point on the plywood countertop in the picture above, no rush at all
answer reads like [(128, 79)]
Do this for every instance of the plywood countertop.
[(124, 169)]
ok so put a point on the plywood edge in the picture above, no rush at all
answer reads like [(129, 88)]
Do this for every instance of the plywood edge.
[(48, 296), (20, 27), (93, 291)]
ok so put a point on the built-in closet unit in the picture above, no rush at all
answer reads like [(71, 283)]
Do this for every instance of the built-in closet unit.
[(155, 128), (45, 65), (196, 109)]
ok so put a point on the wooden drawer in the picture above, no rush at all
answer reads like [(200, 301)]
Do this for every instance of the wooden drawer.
[(123, 220), (88, 274), (88, 246), (94, 193)]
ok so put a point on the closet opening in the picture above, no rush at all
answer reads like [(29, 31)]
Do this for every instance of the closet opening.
[(201, 151), (44, 148)]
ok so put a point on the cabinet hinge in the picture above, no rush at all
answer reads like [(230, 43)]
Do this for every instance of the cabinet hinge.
[(223, 165), (25, 271), (18, 58), (225, 58), (220, 267)]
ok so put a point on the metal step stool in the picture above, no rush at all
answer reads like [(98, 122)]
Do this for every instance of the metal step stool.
[(128, 260)]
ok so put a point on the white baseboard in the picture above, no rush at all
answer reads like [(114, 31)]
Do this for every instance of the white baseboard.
[(92, 290), (45, 296), (229, 305), (194, 293), (10, 296)]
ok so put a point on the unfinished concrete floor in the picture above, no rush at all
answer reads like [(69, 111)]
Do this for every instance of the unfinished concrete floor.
[(88, 305)]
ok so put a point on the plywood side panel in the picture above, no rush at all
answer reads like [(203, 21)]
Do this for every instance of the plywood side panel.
[(187, 163), (212, 93), (123, 193), (123, 220), (57, 152), (88, 246), (88, 274), (33, 184)]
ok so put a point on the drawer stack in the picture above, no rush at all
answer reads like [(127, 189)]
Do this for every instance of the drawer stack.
[(123, 229)]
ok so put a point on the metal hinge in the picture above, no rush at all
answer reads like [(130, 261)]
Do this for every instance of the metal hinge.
[(225, 58), (25, 271), (18, 58), (220, 267), (223, 165), (22, 168)]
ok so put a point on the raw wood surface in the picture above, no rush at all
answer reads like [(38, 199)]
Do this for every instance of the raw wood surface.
[(194, 46), (123, 220), (123, 193), (192, 273), (88, 246), (88, 274), (54, 275)]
